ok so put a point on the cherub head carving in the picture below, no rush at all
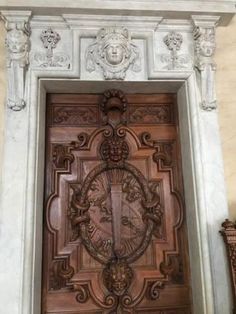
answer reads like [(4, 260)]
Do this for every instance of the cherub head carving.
[(17, 43), (113, 52)]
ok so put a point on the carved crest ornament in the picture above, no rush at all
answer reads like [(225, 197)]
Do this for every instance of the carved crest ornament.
[(114, 52), (50, 39), (175, 61)]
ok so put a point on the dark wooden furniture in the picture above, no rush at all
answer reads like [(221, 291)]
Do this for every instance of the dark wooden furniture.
[(229, 234), (115, 238)]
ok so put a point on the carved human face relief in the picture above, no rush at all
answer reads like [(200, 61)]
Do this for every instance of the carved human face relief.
[(17, 41), (114, 53)]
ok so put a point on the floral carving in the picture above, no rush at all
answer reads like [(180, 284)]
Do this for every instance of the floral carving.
[(175, 61), (17, 45), (204, 38), (150, 114), (72, 115), (114, 53), (50, 39)]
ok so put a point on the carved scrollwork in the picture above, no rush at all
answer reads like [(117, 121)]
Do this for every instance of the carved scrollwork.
[(123, 200), (114, 149), (114, 52), (61, 155), (61, 273), (163, 149), (153, 290), (82, 295)]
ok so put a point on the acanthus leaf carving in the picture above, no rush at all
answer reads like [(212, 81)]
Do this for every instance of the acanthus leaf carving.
[(17, 45), (174, 60), (50, 39), (204, 39), (114, 52)]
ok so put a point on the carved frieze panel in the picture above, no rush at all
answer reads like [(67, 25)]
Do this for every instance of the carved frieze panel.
[(117, 241), (74, 115), (150, 114)]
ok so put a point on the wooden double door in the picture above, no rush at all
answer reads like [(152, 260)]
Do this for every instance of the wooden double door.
[(115, 239)]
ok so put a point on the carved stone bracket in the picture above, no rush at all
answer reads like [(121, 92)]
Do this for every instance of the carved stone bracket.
[(229, 234), (204, 39), (17, 45)]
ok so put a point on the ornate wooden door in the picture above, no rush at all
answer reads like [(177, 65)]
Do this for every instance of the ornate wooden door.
[(115, 237)]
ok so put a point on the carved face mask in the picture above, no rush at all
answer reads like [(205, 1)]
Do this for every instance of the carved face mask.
[(114, 52)]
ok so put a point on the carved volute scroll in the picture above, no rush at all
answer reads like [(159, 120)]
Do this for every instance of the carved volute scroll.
[(229, 235), (108, 219)]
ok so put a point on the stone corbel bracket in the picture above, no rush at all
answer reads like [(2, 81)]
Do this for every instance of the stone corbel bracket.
[(17, 45), (204, 41)]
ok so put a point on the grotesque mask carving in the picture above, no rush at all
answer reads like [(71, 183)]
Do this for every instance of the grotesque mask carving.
[(114, 52), (117, 276)]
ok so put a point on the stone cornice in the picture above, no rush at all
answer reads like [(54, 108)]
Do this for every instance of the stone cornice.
[(182, 9)]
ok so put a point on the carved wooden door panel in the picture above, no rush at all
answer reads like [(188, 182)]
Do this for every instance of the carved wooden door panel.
[(115, 237)]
